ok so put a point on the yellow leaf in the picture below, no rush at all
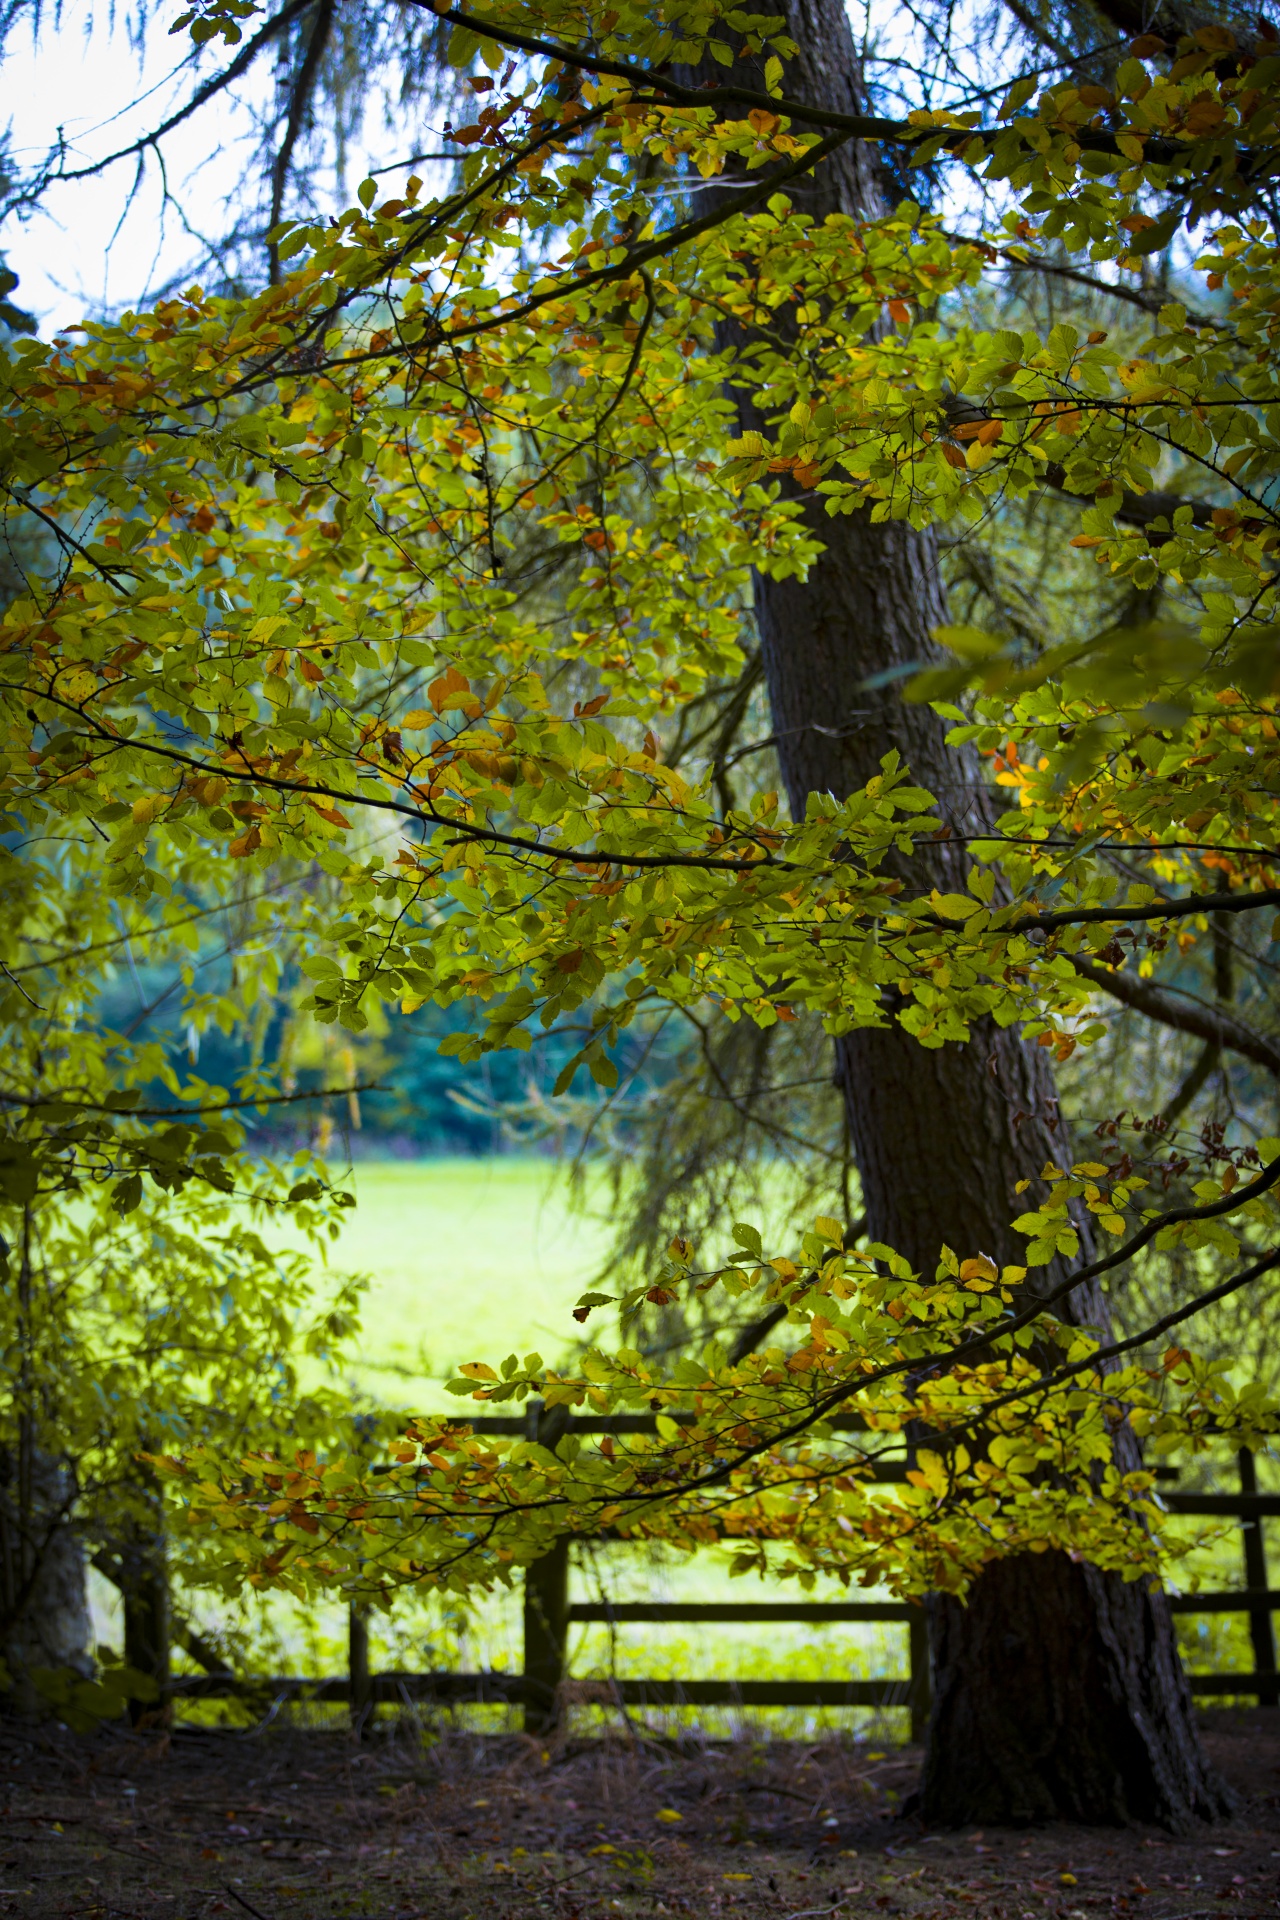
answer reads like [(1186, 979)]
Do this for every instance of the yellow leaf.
[(932, 1470), (261, 630), (477, 1370), (670, 1815)]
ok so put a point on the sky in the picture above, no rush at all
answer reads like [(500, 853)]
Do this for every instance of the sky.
[(97, 243), (107, 242)]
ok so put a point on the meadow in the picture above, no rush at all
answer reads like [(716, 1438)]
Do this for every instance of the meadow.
[(467, 1260)]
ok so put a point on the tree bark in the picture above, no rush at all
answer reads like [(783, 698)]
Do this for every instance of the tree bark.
[(1058, 1695), (1057, 1689), (44, 1605)]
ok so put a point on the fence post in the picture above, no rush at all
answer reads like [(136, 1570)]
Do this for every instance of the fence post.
[(1255, 1578), (146, 1632), (546, 1603), (361, 1683), (920, 1696), (144, 1588)]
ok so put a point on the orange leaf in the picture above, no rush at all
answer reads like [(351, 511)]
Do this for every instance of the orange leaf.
[(1205, 115), (450, 681), (245, 844), (331, 814), (901, 312)]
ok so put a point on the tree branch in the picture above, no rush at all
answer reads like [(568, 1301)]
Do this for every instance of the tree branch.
[(1171, 1008), (211, 88), (1204, 1064), (857, 126)]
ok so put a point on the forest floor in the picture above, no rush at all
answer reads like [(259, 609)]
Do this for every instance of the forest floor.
[(315, 1825)]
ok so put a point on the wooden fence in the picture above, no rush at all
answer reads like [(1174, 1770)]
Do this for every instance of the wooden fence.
[(544, 1682)]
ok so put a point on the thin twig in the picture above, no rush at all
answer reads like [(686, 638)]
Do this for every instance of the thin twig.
[(246, 1904)]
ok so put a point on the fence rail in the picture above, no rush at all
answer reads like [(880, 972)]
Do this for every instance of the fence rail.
[(544, 1686)]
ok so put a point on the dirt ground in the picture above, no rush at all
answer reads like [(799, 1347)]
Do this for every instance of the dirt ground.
[(290, 1825)]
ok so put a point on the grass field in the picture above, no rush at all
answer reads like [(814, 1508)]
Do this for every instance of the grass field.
[(468, 1260)]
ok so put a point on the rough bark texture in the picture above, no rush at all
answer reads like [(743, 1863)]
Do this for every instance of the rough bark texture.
[(144, 1586), (1058, 1690), (1058, 1694), (43, 1593)]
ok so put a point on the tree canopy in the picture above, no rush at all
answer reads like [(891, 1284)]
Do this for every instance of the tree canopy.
[(356, 608)]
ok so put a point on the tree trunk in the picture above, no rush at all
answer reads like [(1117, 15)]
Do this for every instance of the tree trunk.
[(1057, 1689), (144, 1587), (1059, 1695), (44, 1605)]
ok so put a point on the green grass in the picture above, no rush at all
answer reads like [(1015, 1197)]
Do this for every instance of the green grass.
[(468, 1260)]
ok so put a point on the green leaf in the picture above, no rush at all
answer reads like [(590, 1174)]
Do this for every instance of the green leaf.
[(1155, 238), (1018, 95), (127, 1194)]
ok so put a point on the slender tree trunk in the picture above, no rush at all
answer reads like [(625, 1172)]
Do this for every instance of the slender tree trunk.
[(1057, 1689), (44, 1610), (44, 1606)]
